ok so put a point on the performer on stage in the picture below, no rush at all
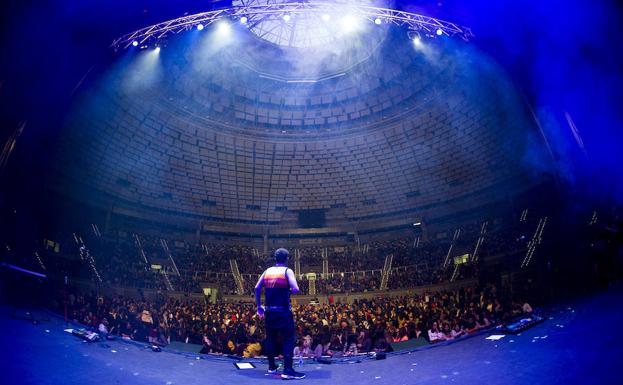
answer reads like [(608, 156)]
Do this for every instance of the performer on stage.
[(278, 282)]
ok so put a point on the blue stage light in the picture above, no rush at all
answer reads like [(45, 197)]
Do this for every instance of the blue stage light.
[(223, 28), (377, 21), (286, 17), (439, 32), (135, 43), (199, 27), (244, 20), (350, 23)]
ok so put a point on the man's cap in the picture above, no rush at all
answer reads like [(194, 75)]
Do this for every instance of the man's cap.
[(282, 254)]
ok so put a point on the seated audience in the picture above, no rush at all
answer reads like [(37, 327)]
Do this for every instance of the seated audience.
[(435, 335)]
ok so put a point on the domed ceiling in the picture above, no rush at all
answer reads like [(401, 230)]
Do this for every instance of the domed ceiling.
[(239, 129)]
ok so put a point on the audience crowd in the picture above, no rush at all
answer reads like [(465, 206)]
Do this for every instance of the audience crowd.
[(123, 261), (334, 329)]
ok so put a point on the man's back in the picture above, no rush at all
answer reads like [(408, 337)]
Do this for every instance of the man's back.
[(275, 277), (278, 281), (277, 287)]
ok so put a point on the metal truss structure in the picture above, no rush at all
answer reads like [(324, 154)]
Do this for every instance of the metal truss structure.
[(257, 13)]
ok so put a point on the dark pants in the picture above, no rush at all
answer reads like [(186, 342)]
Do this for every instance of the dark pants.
[(280, 327)]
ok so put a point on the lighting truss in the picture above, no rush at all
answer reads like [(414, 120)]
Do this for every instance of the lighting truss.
[(413, 22)]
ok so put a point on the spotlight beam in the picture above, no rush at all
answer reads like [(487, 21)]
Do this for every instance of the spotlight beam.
[(412, 21)]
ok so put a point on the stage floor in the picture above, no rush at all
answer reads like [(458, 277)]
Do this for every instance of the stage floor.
[(580, 343)]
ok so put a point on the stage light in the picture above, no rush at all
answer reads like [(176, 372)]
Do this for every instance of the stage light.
[(286, 17), (244, 20), (377, 21), (439, 32), (199, 27), (157, 49), (326, 17), (349, 23), (417, 41), (223, 28), (135, 43)]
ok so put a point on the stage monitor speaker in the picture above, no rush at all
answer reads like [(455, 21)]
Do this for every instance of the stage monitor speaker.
[(190, 348), (323, 360), (410, 344)]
